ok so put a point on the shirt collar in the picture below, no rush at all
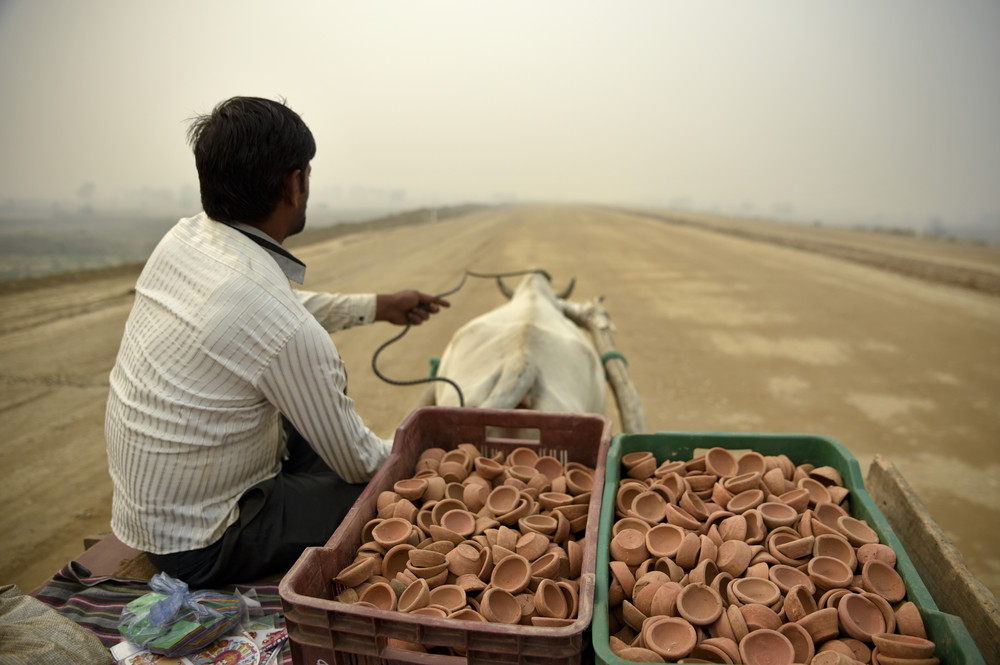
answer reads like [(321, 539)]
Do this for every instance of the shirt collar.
[(294, 269)]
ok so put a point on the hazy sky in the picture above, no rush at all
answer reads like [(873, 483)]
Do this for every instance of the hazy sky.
[(888, 107)]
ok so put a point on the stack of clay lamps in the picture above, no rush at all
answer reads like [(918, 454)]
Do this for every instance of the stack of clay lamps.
[(751, 559), (476, 538)]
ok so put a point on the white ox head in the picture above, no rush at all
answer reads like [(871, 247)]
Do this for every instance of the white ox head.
[(524, 354)]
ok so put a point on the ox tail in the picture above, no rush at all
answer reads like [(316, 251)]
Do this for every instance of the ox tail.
[(513, 387)]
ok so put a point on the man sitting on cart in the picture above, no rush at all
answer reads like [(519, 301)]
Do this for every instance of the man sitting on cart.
[(232, 444)]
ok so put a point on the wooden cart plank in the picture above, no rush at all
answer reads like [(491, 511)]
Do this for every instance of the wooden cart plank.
[(937, 560)]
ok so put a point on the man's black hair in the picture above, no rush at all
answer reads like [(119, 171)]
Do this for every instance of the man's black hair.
[(243, 150)]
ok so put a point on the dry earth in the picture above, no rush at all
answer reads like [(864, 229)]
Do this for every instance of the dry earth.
[(887, 344)]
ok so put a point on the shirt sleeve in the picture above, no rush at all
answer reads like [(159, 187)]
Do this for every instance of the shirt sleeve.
[(336, 311), (306, 381)]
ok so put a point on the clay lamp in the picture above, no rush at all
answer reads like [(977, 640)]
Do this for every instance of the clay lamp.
[(513, 574), (574, 552), (885, 608), (443, 506), (756, 530), (742, 482), (573, 511), (802, 643), (859, 617), (682, 518), (415, 596), (870, 551), (648, 506), (487, 468), (672, 638), (451, 597), (521, 472), (410, 488), (827, 514), (379, 594), (548, 565), (435, 612), (468, 614), (532, 545), (452, 472), (522, 508), (737, 623), (433, 574), (425, 558), (629, 546), (474, 496), (721, 462), (733, 528), (702, 483), (699, 604), (639, 465), (550, 601), (903, 646), (831, 597), (579, 481), (522, 455), (391, 532), (688, 551), (836, 546), (621, 572), (500, 606), (358, 571), (542, 524), (817, 491), (662, 601), (857, 531), (776, 513), (829, 573), (672, 485), (744, 501), (640, 655), (787, 577), (880, 578), (550, 500), (470, 583), (632, 616), (629, 523), (792, 551), (464, 559), (750, 462), (827, 475), (550, 467), (503, 499), (797, 498), (766, 647), (822, 625), (704, 573), (720, 495), (754, 590), (440, 533), (694, 505), (759, 617), (571, 592), (909, 621)]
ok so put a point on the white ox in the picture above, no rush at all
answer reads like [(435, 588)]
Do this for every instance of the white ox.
[(525, 354)]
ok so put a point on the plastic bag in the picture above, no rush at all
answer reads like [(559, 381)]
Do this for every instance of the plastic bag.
[(173, 621)]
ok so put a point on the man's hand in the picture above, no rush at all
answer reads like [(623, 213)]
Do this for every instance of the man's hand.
[(405, 307)]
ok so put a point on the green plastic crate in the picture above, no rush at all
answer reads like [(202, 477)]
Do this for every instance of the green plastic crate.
[(954, 643)]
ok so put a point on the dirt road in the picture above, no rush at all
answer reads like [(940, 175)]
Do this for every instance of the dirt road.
[(724, 329)]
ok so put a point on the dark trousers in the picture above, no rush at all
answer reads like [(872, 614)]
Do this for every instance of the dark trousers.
[(300, 507)]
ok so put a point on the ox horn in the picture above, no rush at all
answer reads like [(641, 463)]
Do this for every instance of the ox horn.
[(569, 289), (504, 289)]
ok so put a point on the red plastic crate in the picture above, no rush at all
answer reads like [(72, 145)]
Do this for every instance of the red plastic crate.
[(323, 630)]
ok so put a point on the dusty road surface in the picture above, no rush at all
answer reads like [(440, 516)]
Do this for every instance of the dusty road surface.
[(738, 326)]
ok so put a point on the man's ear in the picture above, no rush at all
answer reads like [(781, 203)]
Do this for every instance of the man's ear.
[(292, 189)]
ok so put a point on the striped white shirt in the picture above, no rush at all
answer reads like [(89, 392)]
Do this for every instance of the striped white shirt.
[(217, 346)]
